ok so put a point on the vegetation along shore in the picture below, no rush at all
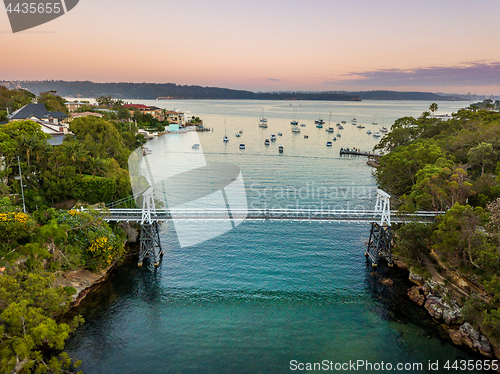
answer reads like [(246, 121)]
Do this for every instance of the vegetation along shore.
[(451, 166)]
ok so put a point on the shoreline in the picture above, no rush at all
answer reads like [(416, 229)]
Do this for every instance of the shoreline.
[(434, 297)]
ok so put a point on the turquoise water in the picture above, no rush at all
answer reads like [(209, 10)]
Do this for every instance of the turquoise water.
[(264, 294)]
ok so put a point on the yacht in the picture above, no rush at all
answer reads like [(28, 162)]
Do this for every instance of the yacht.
[(383, 129), (360, 126), (237, 135), (225, 139), (341, 127), (343, 122), (338, 135), (273, 137), (295, 129), (263, 121), (376, 134), (374, 123), (306, 136), (242, 146), (334, 139), (330, 129), (329, 144), (280, 149), (319, 125), (368, 132), (267, 142), (195, 146), (279, 134), (294, 123)]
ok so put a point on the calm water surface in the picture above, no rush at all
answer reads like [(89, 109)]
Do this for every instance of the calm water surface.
[(263, 294)]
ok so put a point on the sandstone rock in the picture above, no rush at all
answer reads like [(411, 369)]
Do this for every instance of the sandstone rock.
[(400, 264), (434, 306), (416, 278), (456, 336), (415, 295), (438, 308), (387, 281), (475, 340)]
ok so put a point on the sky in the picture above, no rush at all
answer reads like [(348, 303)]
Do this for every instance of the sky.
[(266, 45)]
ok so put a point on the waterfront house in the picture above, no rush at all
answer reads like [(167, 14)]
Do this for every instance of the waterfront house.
[(72, 106), (37, 112)]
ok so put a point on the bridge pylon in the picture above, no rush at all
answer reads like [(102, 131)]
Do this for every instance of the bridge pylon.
[(380, 241), (150, 245)]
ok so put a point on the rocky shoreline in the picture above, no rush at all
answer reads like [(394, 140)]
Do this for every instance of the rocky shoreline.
[(435, 297)]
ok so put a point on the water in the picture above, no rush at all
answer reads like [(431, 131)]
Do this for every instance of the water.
[(264, 294)]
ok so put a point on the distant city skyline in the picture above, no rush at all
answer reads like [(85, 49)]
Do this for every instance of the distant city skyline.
[(294, 45)]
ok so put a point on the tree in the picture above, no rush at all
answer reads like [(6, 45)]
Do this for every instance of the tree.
[(433, 107), (398, 169), (482, 155), (53, 102)]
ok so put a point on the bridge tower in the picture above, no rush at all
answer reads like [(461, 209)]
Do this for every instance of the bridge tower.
[(150, 246), (379, 243)]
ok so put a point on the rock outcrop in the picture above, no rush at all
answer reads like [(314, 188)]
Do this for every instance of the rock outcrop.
[(467, 335)]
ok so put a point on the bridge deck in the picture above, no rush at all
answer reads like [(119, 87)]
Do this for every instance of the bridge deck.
[(360, 216)]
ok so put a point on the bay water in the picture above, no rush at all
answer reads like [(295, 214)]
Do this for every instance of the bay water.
[(267, 296)]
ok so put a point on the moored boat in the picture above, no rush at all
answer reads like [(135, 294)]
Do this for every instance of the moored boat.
[(267, 142), (329, 144), (280, 148), (242, 146)]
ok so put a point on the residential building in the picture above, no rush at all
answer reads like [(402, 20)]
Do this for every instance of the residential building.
[(37, 112)]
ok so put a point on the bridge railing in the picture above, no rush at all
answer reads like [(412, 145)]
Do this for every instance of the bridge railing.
[(135, 215)]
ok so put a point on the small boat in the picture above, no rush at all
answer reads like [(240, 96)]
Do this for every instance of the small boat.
[(225, 139), (273, 137), (302, 125), (240, 132), (338, 125), (334, 139), (267, 142), (319, 122), (330, 129), (329, 144), (195, 146), (374, 123), (383, 129), (280, 149), (279, 134), (237, 135), (368, 132), (294, 123), (295, 129), (360, 126), (263, 121), (376, 134), (341, 127), (242, 146), (306, 136), (342, 122), (319, 125), (338, 135)]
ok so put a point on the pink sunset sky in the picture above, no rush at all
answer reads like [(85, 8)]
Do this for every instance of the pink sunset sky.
[(442, 46)]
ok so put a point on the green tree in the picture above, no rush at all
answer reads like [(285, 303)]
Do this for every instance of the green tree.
[(433, 107), (398, 169), (53, 102), (482, 155)]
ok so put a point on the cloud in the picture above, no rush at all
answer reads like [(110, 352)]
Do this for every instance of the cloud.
[(478, 73), (275, 80)]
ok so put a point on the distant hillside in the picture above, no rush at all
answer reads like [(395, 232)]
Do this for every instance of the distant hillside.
[(173, 91), (396, 95), (165, 90)]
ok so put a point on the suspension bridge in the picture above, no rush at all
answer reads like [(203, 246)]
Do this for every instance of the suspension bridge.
[(149, 217)]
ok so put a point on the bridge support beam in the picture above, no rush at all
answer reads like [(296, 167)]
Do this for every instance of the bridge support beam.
[(150, 245), (380, 241)]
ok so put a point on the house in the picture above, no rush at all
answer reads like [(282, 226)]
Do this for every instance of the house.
[(84, 114), (156, 112), (37, 112), (72, 106)]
